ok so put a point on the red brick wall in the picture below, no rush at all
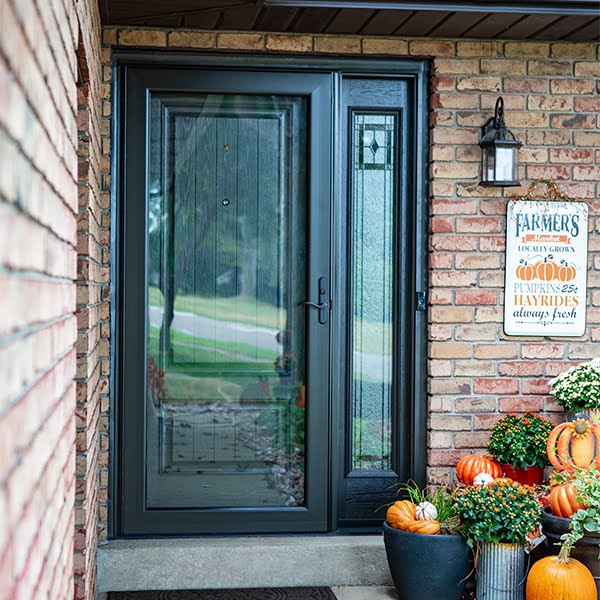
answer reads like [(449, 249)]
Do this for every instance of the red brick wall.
[(38, 268), (551, 91), (92, 292)]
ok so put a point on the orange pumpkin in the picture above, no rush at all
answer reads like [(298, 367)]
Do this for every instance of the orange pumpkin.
[(429, 527), (563, 500), (525, 272), (566, 271), (560, 577), (469, 466), (546, 271), (402, 510), (575, 443)]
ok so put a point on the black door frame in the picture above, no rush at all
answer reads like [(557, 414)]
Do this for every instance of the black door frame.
[(413, 437)]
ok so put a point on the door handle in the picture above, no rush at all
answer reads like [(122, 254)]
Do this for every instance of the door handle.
[(323, 305)]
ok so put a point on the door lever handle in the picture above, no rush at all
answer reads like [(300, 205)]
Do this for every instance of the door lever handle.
[(322, 307)]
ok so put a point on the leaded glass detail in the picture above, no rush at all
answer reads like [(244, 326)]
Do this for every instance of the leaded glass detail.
[(372, 242)]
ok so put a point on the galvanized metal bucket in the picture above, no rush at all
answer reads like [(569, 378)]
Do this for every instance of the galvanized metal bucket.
[(501, 572)]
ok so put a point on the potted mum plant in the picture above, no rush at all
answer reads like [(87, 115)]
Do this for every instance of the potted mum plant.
[(497, 518), (519, 444), (578, 391), (420, 532)]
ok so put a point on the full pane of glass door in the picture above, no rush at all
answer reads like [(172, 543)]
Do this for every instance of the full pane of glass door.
[(226, 266)]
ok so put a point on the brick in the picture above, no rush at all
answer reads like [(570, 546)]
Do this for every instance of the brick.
[(491, 66), (475, 297), (451, 385), (586, 173), (456, 66), (474, 405), (549, 138), (571, 155), (573, 50), (454, 170), (519, 405), (479, 225), (289, 43), (449, 350), (474, 332), (442, 84), (453, 207), (385, 46), (479, 84), (191, 39), (472, 439), (142, 37), (543, 350), (440, 404), (535, 386), (479, 49), (571, 121), (587, 104), (572, 86), (431, 48), (474, 368), (240, 41), (453, 279), (495, 351), (337, 44), (439, 439), (549, 103), (520, 368), (586, 138), (439, 368), (548, 172), (527, 49), (447, 314), (454, 101), (445, 457), (587, 69), (449, 423), (453, 243), (526, 86), (496, 386), (549, 67)]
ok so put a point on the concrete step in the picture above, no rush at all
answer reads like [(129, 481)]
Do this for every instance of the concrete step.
[(352, 564)]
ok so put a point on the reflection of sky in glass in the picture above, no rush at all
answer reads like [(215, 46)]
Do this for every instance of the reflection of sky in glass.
[(373, 194)]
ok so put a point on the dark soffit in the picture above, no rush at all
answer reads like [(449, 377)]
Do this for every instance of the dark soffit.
[(569, 20)]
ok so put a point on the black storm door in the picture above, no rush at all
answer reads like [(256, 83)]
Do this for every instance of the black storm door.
[(225, 372)]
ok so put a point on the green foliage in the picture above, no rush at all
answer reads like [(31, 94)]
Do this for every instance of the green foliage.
[(521, 441), (501, 512), (579, 387), (587, 486), (442, 498)]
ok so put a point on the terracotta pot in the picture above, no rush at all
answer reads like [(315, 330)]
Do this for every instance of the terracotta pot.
[(528, 476)]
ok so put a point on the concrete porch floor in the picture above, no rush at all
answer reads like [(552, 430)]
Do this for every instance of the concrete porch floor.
[(355, 567)]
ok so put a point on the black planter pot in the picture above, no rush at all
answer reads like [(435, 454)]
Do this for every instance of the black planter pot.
[(586, 550), (426, 567)]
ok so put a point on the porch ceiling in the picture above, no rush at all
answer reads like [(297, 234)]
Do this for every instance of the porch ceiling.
[(572, 20)]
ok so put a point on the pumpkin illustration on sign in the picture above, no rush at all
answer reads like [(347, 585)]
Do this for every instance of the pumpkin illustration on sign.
[(546, 270), (574, 444)]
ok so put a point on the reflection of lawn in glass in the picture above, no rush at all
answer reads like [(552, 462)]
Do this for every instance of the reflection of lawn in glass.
[(183, 387), (188, 348), (236, 309), (372, 337)]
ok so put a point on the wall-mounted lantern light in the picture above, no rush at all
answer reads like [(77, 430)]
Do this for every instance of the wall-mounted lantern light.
[(500, 148)]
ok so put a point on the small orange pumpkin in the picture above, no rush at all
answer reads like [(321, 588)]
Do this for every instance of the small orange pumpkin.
[(469, 466), (566, 271), (560, 577), (563, 500), (575, 443), (400, 511), (429, 527), (525, 272)]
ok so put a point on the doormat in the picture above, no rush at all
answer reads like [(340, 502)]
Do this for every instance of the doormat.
[(297, 593)]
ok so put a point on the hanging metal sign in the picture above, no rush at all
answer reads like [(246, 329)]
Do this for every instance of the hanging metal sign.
[(546, 268)]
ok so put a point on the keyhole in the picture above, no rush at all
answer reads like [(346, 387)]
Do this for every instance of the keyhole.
[(225, 202)]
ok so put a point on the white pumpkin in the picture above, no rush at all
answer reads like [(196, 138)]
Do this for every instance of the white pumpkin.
[(482, 479), (426, 512)]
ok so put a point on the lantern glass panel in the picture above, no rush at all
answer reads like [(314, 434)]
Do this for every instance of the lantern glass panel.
[(505, 163), (489, 163)]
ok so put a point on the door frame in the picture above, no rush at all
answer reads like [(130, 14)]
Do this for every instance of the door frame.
[(416, 72)]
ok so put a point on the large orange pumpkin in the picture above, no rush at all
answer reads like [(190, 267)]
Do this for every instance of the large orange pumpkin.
[(525, 272), (575, 443), (402, 510), (560, 577), (563, 500), (469, 466)]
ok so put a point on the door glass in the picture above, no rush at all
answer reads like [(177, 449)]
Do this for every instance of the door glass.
[(226, 264), (373, 177)]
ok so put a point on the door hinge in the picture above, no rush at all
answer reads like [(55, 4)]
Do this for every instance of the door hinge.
[(421, 301)]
